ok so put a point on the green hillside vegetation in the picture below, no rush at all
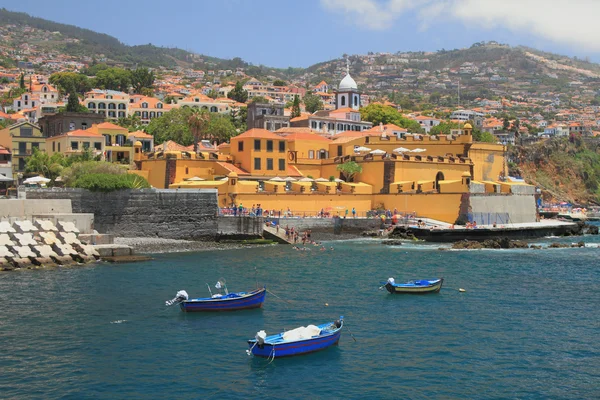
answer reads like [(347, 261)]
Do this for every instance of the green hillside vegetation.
[(565, 169)]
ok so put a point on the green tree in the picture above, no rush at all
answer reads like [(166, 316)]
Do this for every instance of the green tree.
[(173, 125), (444, 128), (295, 107), (198, 123), (238, 118), (65, 82), (22, 81), (435, 97), (73, 104), (132, 123), (484, 136), (279, 82), (142, 78), (41, 163), (517, 125), (349, 169), (113, 79), (379, 113), (213, 94), (506, 123), (259, 99), (312, 103), (219, 128), (238, 93), (95, 68)]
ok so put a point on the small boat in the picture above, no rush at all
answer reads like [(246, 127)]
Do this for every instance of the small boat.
[(421, 286), (220, 302), (298, 341)]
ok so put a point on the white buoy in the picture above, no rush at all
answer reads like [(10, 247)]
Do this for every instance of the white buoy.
[(461, 290), (326, 304)]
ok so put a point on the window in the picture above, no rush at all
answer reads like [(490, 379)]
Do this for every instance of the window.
[(98, 145), (71, 126), (282, 164), (257, 163), (159, 105), (282, 146), (270, 164), (343, 100), (26, 132), (74, 145), (339, 151), (356, 101), (91, 105), (86, 145), (53, 146), (311, 154), (256, 144), (144, 105), (240, 146), (313, 124), (35, 146), (270, 146), (84, 126), (111, 106)]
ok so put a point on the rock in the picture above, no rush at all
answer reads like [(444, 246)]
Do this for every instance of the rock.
[(493, 244), (370, 233), (518, 244), (590, 229), (467, 245), (579, 244), (556, 245), (535, 247), (392, 242)]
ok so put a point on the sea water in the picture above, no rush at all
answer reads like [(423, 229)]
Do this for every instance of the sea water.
[(527, 326)]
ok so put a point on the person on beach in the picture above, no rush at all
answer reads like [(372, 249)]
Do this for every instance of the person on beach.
[(353, 212), (241, 209), (234, 210), (346, 214)]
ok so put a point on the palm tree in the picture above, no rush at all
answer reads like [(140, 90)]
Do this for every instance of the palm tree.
[(198, 122), (41, 163)]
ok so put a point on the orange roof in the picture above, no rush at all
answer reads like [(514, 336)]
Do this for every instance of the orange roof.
[(170, 145), (357, 134), (77, 133), (232, 168), (386, 128), (108, 125), (259, 134), (140, 134), (300, 118), (293, 171), (344, 110), (306, 136)]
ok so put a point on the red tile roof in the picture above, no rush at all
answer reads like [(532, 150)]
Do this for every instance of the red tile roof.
[(258, 134), (232, 168)]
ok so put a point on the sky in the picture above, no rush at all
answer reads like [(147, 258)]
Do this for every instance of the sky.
[(299, 33)]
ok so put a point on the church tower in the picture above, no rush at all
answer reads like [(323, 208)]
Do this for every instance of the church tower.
[(347, 94)]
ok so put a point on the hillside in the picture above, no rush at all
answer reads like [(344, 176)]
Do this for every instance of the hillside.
[(565, 170)]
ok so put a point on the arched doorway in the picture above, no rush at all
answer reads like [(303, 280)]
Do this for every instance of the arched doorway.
[(439, 177)]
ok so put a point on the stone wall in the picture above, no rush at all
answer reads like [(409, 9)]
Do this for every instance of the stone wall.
[(234, 227), (331, 225), (173, 214), (518, 209)]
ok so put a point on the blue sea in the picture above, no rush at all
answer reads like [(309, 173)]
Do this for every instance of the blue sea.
[(527, 327)]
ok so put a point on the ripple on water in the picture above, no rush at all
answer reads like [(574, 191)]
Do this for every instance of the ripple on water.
[(525, 328)]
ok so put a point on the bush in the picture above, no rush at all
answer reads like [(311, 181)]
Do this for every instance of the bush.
[(111, 182), (80, 169)]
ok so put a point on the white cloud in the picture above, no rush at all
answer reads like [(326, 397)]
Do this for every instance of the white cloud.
[(571, 22)]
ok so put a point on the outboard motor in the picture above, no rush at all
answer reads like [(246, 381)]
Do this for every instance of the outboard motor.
[(260, 338), (391, 281), (337, 323), (179, 297)]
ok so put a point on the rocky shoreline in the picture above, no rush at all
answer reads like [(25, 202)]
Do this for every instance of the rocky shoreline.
[(507, 244)]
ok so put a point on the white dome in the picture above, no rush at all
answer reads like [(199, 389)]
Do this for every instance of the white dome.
[(348, 83)]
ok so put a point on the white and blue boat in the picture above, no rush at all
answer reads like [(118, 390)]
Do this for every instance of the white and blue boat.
[(298, 341), (417, 286), (220, 302)]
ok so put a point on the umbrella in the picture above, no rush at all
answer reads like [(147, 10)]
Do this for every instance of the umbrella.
[(338, 180), (401, 150), (36, 179), (224, 179), (378, 152), (321, 180), (306, 180), (418, 150), (277, 179), (5, 178), (290, 179), (362, 148), (58, 179), (194, 179)]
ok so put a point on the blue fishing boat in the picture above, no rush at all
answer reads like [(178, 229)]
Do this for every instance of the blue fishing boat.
[(298, 341), (220, 302), (421, 286)]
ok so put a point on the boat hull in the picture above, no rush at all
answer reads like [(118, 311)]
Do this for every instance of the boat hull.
[(295, 348), (253, 299), (424, 289)]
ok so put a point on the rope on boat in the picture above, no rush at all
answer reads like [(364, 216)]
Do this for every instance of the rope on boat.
[(278, 296), (351, 335)]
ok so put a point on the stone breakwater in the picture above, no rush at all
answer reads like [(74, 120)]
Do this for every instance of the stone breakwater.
[(188, 214), (41, 243), (505, 243)]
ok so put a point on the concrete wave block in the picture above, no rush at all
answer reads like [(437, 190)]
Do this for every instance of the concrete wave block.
[(6, 227), (22, 262), (6, 265), (49, 238), (6, 252), (23, 251), (64, 249), (24, 239), (45, 251), (63, 260), (24, 226), (69, 238), (45, 225), (89, 250), (46, 262), (5, 240), (67, 226)]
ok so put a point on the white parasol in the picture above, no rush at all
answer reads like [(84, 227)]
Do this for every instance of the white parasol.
[(194, 179), (378, 152), (306, 180), (401, 150), (277, 179), (290, 179), (418, 150), (36, 179), (321, 180), (361, 149)]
